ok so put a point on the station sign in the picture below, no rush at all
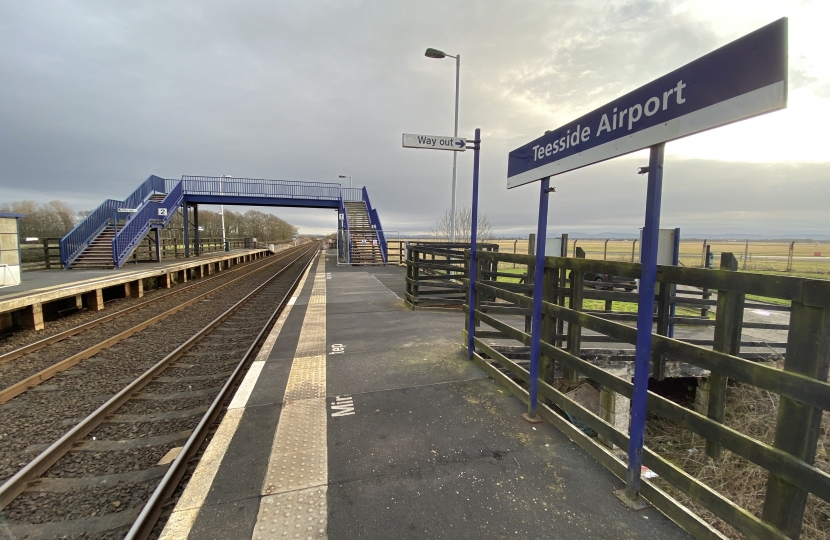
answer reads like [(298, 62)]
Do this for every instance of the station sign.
[(742, 79), (162, 212), (434, 142)]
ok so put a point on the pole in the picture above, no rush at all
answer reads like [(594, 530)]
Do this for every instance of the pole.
[(471, 320), (455, 154), (645, 314), (222, 211), (536, 317)]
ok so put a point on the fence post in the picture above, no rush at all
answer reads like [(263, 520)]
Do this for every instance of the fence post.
[(605, 250), (790, 256), (703, 261), (563, 252), (746, 254), (550, 292), (575, 331), (798, 425), (46, 253), (728, 322), (633, 249)]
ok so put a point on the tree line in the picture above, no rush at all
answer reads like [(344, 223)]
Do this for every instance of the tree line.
[(251, 224), (55, 218), (51, 220)]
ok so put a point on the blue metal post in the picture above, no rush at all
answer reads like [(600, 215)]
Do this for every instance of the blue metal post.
[(536, 316), (471, 320), (645, 317)]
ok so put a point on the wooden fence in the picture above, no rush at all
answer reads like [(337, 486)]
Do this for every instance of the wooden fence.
[(435, 273), (801, 384), (42, 254)]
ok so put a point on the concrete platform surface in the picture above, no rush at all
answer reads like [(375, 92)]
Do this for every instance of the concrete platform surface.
[(362, 419)]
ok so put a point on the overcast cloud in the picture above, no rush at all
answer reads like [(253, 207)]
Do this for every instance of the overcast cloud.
[(99, 95)]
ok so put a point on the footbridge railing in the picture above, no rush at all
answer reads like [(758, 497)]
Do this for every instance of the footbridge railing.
[(374, 220), (78, 238), (253, 187), (777, 441), (152, 213)]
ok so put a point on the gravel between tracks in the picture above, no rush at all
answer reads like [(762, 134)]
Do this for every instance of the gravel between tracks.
[(216, 354)]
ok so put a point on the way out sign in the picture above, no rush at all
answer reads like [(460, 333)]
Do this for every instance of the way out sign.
[(434, 142), (742, 79)]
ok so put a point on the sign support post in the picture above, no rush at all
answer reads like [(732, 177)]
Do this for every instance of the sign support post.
[(645, 319), (536, 317), (471, 319)]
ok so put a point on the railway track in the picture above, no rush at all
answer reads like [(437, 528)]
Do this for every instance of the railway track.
[(34, 365), (113, 470)]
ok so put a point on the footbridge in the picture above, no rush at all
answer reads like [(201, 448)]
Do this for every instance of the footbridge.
[(109, 235)]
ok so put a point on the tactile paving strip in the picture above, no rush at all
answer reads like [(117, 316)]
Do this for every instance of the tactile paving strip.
[(294, 491), (298, 514), (307, 379)]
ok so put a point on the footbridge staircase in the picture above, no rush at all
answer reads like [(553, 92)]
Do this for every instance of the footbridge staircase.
[(109, 235)]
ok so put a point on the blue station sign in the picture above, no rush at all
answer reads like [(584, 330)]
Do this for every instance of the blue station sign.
[(745, 78)]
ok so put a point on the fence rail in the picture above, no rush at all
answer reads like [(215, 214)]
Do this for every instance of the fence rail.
[(801, 382), (435, 273), (41, 255)]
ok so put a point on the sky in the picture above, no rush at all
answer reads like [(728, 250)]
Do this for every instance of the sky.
[(98, 95)]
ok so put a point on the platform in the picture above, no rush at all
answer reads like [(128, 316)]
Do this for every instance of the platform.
[(362, 419), (46, 286)]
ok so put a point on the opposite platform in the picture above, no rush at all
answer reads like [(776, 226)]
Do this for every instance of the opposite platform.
[(85, 287), (362, 419)]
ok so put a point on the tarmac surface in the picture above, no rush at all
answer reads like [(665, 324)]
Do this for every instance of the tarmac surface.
[(418, 442)]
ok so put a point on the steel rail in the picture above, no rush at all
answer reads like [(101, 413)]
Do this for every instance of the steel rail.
[(15, 485), (37, 345), (21, 386), (146, 521)]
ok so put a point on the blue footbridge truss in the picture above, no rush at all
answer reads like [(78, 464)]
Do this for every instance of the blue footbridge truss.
[(156, 201)]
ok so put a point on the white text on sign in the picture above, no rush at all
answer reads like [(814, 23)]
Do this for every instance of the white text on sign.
[(342, 406), (434, 142)]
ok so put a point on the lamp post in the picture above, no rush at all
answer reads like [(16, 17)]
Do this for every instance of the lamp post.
[(222, 210), (435, 53), (346, 176)]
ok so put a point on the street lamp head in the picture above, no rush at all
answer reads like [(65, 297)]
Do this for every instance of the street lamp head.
[(342, 176), (434, 53)]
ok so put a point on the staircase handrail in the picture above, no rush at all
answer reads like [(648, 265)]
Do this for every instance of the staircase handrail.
[(374, 220), (348, 250), (79, 237), (132, 232)]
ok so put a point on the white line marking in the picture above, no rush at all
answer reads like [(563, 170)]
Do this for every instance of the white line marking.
[(243, 393)]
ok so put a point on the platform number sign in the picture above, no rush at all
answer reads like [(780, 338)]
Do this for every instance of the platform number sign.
[(163, 212), (337, 348)]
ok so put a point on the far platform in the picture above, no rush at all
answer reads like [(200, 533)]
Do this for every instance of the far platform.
[(396, 435), (41, 287)]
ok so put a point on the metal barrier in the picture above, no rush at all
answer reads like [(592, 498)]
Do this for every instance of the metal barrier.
[(129, 236), (374, 220), (255, 187), (352, 194), (78, 238), (801, 385)]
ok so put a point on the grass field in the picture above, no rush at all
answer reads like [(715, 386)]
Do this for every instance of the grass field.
[(761, 256), (766, 256)]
